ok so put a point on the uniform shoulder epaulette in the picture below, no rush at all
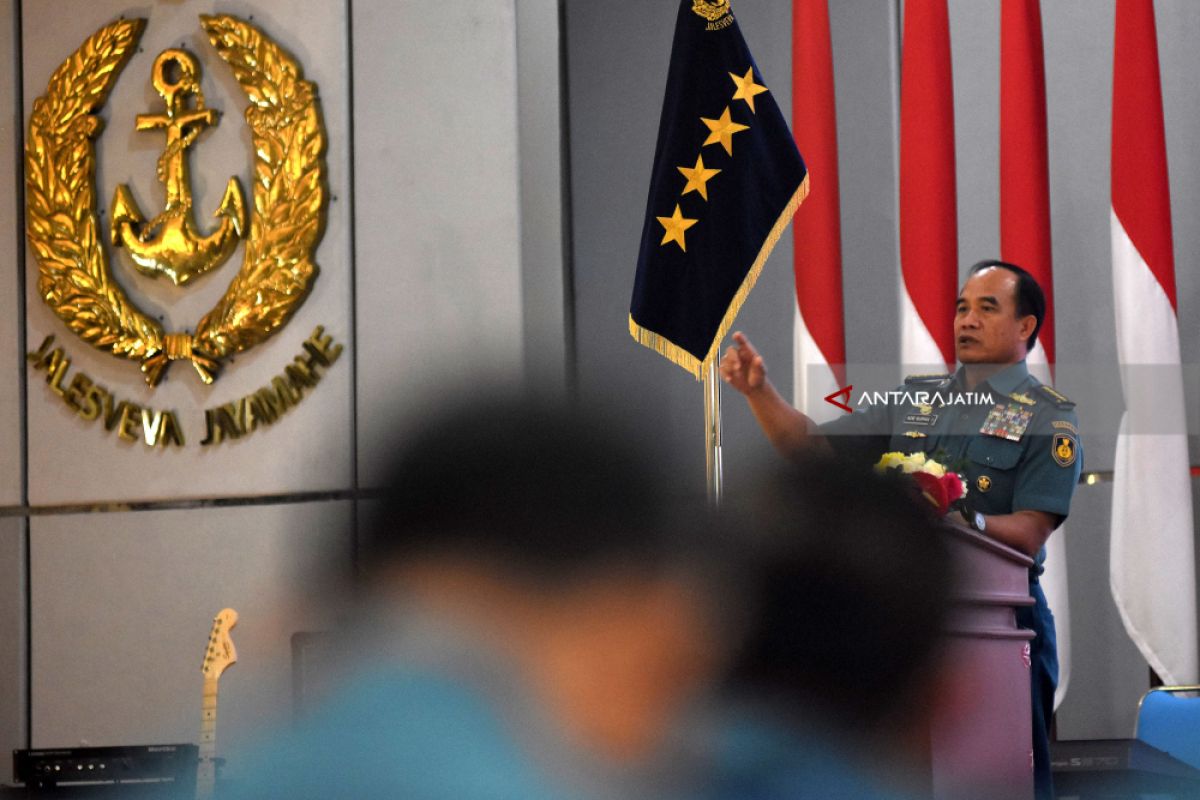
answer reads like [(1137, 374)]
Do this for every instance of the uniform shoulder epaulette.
[(932, 378), (1060, 399)]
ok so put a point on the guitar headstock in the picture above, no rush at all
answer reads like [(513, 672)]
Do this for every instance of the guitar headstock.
[(221, 652)]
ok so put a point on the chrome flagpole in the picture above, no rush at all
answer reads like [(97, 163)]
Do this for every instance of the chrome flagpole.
[(712, 431)]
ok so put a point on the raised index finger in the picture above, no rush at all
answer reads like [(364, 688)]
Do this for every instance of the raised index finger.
[(746, 350)]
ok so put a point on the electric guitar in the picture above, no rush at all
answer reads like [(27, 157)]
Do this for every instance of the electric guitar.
[(219, 656)]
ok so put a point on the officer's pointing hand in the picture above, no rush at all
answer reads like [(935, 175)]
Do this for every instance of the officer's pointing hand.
[(742, 367)]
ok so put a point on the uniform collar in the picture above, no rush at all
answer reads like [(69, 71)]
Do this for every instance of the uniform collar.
[(1005, 381)]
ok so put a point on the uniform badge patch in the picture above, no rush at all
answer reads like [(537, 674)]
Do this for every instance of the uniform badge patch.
[(1023, 398), (983, 483), (1007, 421), (1064, 449)]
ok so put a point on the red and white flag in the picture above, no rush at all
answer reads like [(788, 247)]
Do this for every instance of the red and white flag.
[(1025, 237), (820, 341), (928, 203), (1151, 565)]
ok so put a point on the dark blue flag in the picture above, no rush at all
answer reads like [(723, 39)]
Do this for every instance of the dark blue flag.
[(727, 179)]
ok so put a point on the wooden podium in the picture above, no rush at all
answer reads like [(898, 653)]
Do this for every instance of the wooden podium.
[(981, 737)]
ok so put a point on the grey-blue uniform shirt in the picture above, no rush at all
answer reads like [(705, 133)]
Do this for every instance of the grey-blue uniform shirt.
[(1016, 442), (1014, 439)]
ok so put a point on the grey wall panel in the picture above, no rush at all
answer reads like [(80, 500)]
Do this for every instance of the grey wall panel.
[(618, 69), (975, 53), (13, 638), (11, 361), (1179, 24), (1108, 673), (64, 448), (122, 607), (1078, 50), (539, 107), (866, 40), (437, 205)]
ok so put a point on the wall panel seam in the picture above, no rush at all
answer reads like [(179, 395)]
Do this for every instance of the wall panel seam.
[(176, 504), (570, 347), (352, 277), (18, 32)]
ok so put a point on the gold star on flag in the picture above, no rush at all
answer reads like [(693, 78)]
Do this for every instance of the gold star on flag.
[(675, 225), (722, 130), (697, 177), (747, 88)]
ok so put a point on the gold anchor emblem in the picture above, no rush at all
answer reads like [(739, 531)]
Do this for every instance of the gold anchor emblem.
[(170, 244), (287, 210)]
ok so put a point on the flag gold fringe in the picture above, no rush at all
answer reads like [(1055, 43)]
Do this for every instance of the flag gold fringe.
[(665, 348), (676, 354)]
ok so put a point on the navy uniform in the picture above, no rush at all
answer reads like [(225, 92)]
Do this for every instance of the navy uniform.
[(1018, 452)]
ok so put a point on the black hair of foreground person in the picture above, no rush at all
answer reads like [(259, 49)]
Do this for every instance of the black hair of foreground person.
[(537, 487), (852, 579)]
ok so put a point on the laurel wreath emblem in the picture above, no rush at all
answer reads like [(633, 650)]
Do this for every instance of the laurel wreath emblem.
[(286, 223)]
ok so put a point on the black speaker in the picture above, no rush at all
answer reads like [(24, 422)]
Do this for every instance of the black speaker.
[(144, 770)]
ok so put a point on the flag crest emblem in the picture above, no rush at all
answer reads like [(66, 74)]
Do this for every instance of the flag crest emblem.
[(711, 10)]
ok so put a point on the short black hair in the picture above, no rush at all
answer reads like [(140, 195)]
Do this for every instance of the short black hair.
[(538, 489), (1031, 300)]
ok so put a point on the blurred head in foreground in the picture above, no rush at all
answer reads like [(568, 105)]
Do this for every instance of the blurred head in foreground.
[(850, 579), (544, 534), (533, 625)]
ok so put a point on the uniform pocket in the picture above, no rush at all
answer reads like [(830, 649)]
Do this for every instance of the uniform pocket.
[(994, 452)]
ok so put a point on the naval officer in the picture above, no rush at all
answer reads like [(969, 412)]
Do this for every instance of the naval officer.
[(1014, 440)]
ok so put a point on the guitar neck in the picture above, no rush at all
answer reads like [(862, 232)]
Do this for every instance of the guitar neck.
[(206, 773)]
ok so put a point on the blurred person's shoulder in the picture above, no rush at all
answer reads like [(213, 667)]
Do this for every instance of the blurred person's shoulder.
[(395, 733), (754, 754)]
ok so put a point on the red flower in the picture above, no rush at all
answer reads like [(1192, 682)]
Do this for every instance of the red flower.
[(934, 490), (954, 486)]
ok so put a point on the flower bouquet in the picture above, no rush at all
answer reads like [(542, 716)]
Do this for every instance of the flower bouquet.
[(943, 488)]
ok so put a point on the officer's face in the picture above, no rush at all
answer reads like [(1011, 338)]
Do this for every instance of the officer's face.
[(987, 329)]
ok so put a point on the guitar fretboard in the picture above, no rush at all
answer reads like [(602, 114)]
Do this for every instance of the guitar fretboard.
[(206, 773)]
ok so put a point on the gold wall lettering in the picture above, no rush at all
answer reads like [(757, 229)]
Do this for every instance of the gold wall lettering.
[(130, 422), (244, 416), (92, 401)]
